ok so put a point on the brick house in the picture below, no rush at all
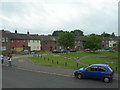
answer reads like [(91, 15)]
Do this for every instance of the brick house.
[(79, 42), (4, 41), (109, 42), (48, 43)]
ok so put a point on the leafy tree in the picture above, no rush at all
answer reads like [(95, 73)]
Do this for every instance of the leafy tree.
[(105, 34), (66, 39), (93, 34), (92, 42), (56, 33), (113, 35), (77, 32)]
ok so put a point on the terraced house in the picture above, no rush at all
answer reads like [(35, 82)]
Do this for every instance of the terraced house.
[(109, 42), (16, 42)]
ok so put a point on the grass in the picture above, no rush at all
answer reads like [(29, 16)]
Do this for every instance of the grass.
[(94, 60), (55, 61), (97, 53)]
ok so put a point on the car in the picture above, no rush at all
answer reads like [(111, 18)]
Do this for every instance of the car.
[(95, 49), (106, 48), (96, 71), (73, 50), (25, 52), (87, 50), (63, 51), (56, 51)]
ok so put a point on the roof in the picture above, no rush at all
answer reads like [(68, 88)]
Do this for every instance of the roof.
[(78, 38), (47, 38), (110, 38), (105, 65)]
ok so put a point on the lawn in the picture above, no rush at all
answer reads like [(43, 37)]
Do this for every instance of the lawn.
[(94, 60), (55, 61), (58, 61), (97, 53)]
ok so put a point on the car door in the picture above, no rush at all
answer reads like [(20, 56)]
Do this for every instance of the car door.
[(102, 72), (91, 72)]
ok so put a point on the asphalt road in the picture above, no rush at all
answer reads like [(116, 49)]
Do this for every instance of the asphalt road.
[(16, 78)]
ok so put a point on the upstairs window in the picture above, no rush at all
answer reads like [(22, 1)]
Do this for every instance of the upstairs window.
[(24, 41), (12, 41), (3, 39), (18, 41), (6, 39)]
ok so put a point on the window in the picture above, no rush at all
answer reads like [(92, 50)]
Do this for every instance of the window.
[(29, 41), (18, 41), (101, 69), (93, 68), (3, 47), (24, 41), (33, 40), (3, 39), (37, 47), (6, 39), (12, 41)]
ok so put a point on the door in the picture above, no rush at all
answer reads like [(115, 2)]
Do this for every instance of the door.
[(91, 72)]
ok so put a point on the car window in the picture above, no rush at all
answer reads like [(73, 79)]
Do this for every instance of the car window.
[(92, 68), (101, 69), (110, 69)]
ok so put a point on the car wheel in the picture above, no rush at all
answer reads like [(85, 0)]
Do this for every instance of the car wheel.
[(79, 76), (106, 80)]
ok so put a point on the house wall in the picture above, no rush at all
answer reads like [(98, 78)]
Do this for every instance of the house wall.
[(18, 45), (34, 45), (48, 45), (111, 43), (78, 44)]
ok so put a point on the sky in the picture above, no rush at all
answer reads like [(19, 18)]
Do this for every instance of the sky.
[(45, 16)]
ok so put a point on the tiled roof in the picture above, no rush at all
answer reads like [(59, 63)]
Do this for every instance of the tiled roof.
[(109, 39)]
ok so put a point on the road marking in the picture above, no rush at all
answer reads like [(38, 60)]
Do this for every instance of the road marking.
[(52, 73)]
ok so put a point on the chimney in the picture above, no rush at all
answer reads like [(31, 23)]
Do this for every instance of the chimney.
[(16, 31), (27, 33)]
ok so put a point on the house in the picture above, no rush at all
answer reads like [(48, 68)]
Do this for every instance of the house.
[(4, 41), (48, 43), (79, 42), (34, 43), (109, 42), (16, 42)]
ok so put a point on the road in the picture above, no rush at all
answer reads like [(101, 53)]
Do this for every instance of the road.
[(16, 78)]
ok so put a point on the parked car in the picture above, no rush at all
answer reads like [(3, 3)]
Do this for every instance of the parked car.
[(56, 51), (95, 49), (25, 52), (73, 50), (63, 51), (96, 71), (106, 48), (87, 50)]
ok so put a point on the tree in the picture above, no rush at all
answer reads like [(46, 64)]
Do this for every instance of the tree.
[(105, 34), (92, 42), (113, 35), (66, 39), (77, 32), (56, 33)]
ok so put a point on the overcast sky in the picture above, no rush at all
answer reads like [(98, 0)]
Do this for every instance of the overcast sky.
[(45, 16)]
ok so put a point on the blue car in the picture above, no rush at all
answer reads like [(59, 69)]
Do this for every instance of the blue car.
[(96, 71)]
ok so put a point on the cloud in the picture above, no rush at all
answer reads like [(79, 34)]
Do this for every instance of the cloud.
[(45, 16)]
